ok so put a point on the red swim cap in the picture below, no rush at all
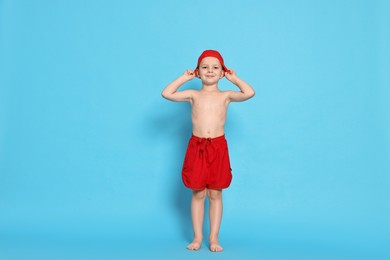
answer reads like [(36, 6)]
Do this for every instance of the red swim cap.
[(212, 53)]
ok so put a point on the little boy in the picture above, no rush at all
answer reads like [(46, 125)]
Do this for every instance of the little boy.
[(206, 167)]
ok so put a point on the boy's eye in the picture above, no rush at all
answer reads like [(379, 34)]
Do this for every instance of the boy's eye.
[(216, 67)]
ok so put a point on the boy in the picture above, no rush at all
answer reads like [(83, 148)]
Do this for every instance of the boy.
[(206, 168)]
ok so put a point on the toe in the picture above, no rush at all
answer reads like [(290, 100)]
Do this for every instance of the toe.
[(193, 246), (215, 248)]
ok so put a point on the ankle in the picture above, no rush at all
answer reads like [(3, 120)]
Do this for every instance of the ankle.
[(213, 238), (198, 238)]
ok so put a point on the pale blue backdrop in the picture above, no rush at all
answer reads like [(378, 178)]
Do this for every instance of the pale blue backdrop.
[(90, 153)]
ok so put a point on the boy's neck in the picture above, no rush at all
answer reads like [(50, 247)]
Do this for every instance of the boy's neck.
[(212, 87)]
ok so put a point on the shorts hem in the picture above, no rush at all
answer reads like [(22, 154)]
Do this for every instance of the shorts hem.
[(205, 187), (212, 188)]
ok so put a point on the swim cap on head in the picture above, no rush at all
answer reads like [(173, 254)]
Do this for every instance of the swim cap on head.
[(212, 53)]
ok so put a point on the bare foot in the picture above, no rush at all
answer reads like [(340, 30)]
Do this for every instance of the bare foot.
[(195, 245), (215, 246)]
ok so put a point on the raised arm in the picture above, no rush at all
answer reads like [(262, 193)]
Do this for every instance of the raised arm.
[(170, 92), (246, 91)]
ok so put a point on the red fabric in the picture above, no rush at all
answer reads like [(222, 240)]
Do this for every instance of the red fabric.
[(207, 164), (211, 53)]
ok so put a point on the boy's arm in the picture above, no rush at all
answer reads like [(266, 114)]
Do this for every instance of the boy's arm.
[(170, 92), (246, 90)]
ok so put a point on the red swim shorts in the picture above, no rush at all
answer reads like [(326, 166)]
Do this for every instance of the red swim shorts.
[(207, 164)]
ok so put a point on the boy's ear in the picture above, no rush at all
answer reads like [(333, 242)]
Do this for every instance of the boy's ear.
[(197, 73), (223, 74)]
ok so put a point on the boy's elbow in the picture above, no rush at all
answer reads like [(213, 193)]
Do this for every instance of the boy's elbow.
[(164, 94), (251, 93)]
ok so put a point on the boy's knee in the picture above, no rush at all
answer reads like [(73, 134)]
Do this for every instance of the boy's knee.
[(199, 194), (214, 194)]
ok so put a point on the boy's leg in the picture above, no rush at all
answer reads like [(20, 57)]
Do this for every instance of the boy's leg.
[(197, 213), (215, 197)]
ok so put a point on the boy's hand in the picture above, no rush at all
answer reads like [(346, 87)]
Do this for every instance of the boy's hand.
[(189, 74), (231, 76)]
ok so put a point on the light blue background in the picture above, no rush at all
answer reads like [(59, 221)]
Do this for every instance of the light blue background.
[(90, 153)]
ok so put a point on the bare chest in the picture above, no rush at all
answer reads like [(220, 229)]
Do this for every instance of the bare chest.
[(210, 103)]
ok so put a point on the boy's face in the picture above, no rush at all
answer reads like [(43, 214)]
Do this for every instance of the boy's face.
[(210, 70)]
